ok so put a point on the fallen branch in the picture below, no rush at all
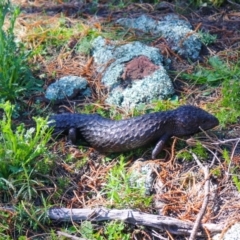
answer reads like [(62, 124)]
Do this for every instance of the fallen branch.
[(174, 226), (69, 236), (205, 201)]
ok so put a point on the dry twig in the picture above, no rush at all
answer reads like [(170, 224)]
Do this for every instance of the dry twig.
[(205, 201), (69, 236)]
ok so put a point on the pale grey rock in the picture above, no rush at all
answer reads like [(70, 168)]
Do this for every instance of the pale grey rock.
[(143, 174), (178, 33), (130, 94), (67, 87), (143, 23), (233, 233)]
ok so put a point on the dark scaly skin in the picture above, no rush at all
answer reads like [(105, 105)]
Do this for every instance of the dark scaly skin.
[(107, 135)]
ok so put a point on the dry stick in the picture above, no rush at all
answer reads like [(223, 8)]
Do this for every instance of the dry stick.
[(232, 155), (209, 137), (172, 225), (156, 234), (215, 156), (234, 4), (69, 236), (225, 141), (205, 201)]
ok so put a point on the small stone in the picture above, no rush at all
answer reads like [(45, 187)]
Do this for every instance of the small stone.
[(67, 87), (143, 174)]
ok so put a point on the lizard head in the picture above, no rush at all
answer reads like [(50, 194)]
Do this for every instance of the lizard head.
[(190, 120)]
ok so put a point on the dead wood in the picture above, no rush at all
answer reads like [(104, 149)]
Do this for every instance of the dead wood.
[(174, 226)]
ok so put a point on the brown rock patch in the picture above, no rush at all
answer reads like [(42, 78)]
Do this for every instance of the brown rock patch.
[(138, 68)]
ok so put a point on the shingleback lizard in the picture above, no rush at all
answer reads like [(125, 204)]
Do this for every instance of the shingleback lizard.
[(107, 135)]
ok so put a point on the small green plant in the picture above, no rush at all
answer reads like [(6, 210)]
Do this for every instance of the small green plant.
[(16, 78), (207, 38), (87, 230), (119, 5), (22, 153), (84, 46), (116, 230), (198, 149), (236, 181), (185, 155), (233, 170), (226, 156), (216, 172), (95, 108), (121, 192), (110, 230), (164, 105)]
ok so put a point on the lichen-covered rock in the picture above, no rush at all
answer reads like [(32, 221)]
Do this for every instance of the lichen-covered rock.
[(233, 233), (126, 90), (143, 174), (178, 33), (67, 87), (106, 51), (154, 87)]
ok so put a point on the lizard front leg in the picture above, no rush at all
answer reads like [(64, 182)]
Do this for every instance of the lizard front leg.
[(72, 135), (159, 145)]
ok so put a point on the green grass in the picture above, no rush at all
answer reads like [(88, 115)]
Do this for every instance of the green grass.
[(25, 216), (198, 149), (24, 162), (225, 75), (206, 38), (122, 192), (109, 231), (116, 113), (16, 79), (22, 154), (60, 36)]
